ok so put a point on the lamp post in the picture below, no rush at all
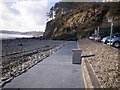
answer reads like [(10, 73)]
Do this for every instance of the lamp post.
[(98, 30), (111, 30)]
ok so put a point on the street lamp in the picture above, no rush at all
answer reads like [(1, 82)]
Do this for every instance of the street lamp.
[(111, 30)]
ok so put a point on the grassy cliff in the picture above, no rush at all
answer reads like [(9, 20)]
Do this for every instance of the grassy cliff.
[(82, 21)]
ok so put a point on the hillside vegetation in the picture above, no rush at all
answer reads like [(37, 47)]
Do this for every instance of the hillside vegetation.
[(76, 20)]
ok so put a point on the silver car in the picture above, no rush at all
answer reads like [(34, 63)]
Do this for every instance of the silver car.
[(92, 37), (115, 41), (104, 40)]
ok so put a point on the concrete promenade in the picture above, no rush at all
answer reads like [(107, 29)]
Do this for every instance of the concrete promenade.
[(56, 71)]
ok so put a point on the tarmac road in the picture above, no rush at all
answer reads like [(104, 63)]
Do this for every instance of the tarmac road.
[(56, 71)]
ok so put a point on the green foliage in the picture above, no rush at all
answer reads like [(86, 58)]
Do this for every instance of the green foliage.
[(66, 36), (50, 14), (115, 8), (93, 5), (65, 7), (77, 20)]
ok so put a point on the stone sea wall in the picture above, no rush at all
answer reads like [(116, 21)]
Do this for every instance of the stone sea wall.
[(104, 61)]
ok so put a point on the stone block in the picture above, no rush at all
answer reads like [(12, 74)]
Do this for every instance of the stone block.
[(76, 58)]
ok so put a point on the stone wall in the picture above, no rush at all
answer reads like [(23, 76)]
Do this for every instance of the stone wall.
[(104, 61)]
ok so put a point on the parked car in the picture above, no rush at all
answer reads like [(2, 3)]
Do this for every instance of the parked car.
[(100, 37), (92, 37), (104, 40), (115, 41)]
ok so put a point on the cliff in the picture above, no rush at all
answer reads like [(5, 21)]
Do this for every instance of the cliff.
[(83, 20)]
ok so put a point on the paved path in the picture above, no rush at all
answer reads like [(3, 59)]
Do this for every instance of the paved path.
[(56, 71)]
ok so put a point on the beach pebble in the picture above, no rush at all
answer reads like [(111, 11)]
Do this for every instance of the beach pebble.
[(105, 63)]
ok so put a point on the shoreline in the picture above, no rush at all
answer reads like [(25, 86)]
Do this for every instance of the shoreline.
[(13, 36), (31, 52), (20, 38)]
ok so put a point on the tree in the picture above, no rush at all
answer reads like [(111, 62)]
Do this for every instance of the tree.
[(61, 8), (51, 12)]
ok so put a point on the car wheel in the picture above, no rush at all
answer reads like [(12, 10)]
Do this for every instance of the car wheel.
[(117, 44), (105, 42)]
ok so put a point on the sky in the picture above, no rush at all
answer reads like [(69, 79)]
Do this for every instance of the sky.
[(24, 15)]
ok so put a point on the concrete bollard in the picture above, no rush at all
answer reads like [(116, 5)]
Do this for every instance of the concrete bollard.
[(76, 58)]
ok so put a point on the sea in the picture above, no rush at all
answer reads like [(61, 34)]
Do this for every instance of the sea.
[(13, 36)]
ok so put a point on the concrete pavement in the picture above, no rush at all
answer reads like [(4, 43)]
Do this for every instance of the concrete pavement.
[(56, 71)]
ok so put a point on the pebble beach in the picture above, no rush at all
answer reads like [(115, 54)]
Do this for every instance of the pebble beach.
[(18, 55)]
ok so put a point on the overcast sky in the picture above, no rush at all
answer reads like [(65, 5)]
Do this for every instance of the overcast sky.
[(24, 15)]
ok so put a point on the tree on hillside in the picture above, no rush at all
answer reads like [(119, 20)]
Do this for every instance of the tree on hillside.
[(50, 14), (63, 8), (115, 9)]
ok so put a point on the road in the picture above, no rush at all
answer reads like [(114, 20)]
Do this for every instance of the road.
[(56, 71)]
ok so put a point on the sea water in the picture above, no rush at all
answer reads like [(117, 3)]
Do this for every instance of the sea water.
[(10, 36)]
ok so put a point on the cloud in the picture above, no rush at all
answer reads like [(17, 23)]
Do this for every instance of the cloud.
[(24, 15)]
